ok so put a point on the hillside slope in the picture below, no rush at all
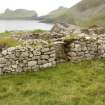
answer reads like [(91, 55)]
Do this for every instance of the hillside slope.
[(85, 13), (58, 15), (18, 14), (89, 12)]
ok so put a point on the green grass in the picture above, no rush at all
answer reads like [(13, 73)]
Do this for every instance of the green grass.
[(5, 34), (38, 31), (68, 84), (8, 42)]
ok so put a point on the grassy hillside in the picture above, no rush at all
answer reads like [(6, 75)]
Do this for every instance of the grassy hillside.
[(89, 12), (85, 13), (67, 84), (58, 15), (18, 14)]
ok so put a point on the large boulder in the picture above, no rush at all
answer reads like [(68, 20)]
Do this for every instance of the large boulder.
[(65, 28)]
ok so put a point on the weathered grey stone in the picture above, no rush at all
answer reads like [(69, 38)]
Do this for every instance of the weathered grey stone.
[(72, 54), (52, 55), (53, 63), (11, 49), (2, 65), (36, 57), (44, 57), (14, 66), (46, 65), (36, 53), (32, 63), (103, 55), (31, 55), (51, 59), (77, 47), (83, 48), (45, 49), (4, 52), (2, 61), (25, 54)]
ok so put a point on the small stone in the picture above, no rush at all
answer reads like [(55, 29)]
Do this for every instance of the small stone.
[(36, 53), (32, 63), (5, 52), (46, 65), (25, 54), (14, 66), (2, 60), (31, 55), (45, 49), (45, 57)]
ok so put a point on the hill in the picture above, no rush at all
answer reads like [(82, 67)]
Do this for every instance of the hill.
[(57, 16), (18, 14), (85, 13)]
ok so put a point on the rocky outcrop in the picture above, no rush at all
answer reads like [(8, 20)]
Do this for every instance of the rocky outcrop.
[(65, 28)]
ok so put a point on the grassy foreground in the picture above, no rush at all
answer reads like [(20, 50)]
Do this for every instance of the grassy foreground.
[(67, 84)]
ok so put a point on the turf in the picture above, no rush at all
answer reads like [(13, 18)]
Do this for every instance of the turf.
[(67, 84)]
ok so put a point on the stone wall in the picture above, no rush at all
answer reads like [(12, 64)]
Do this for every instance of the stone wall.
[(85, 49), (22, 59), (81, 49), (84, 44), (36, 53), (31, 35)]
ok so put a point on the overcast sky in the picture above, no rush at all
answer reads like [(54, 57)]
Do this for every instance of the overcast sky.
[(41, 6)]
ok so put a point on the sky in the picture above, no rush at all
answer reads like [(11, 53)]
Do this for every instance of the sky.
[(42, 7)]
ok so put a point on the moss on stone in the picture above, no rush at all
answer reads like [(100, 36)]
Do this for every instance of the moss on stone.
[(71, 37)]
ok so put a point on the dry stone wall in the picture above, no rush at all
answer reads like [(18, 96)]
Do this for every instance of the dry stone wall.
[(90, 43), (36, 53), (101, 46), (85, 49), (81, 49), (22, 59)]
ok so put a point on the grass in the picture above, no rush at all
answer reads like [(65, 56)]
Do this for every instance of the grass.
[(5, 34), (8, 42), (67, 84), (38, 31)]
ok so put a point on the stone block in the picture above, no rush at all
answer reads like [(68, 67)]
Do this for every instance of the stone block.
[(32, 63)]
